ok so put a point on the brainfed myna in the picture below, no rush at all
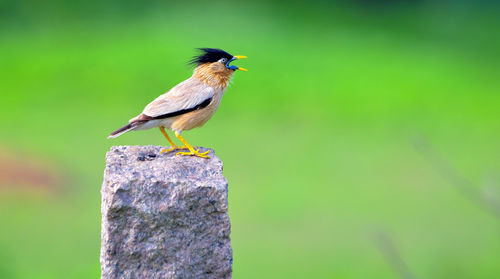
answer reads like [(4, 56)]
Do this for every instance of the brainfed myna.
[(190, 103)]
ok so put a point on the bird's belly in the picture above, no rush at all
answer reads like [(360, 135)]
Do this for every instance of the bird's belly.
[(193, 119)]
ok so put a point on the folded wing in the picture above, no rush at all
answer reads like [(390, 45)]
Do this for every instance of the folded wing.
[(185, 97)]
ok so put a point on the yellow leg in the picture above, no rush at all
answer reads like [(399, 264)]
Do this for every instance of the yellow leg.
[(191, 152), (173, 146)]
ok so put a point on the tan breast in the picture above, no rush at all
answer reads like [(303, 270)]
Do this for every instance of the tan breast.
[(198, 117)]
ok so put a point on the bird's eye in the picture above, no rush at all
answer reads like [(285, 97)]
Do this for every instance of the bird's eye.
[(223, 60)]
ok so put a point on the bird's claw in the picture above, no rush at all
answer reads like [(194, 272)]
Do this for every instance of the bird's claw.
[(166, 150), (196, 153)]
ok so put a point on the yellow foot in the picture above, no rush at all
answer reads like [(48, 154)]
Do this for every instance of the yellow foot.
[(172, 148), (196, 153)]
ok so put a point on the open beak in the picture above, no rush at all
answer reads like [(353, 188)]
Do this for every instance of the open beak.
[(236, 67)]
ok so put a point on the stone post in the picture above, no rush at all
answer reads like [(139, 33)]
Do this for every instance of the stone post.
[(164, 216)]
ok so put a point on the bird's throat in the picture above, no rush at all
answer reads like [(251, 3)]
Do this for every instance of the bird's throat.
[(216, 77)]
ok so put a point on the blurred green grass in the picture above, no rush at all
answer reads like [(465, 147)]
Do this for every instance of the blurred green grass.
[(316, 138)]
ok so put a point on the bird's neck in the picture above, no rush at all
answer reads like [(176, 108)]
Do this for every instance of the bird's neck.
[(213, 76)]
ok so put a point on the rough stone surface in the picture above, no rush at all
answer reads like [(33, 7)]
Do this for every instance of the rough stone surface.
[(164, 216)]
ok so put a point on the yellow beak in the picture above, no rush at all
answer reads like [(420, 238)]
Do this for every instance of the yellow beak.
[(241, 57)]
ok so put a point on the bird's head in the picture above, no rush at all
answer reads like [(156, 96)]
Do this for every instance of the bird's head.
[(218, 60)]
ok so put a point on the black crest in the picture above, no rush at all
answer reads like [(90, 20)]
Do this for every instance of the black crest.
[(209, 55)]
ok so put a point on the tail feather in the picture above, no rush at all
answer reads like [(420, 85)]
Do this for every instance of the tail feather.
[(124, 129)]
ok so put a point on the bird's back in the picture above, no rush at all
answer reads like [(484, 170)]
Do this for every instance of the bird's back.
[(184, 97)]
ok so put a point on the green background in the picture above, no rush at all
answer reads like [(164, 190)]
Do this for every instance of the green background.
[(363, 142)]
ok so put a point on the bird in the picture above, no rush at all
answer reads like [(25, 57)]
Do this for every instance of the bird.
[(189, 104)]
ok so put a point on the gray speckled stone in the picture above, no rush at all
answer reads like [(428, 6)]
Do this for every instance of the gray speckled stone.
[(164, 216)]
